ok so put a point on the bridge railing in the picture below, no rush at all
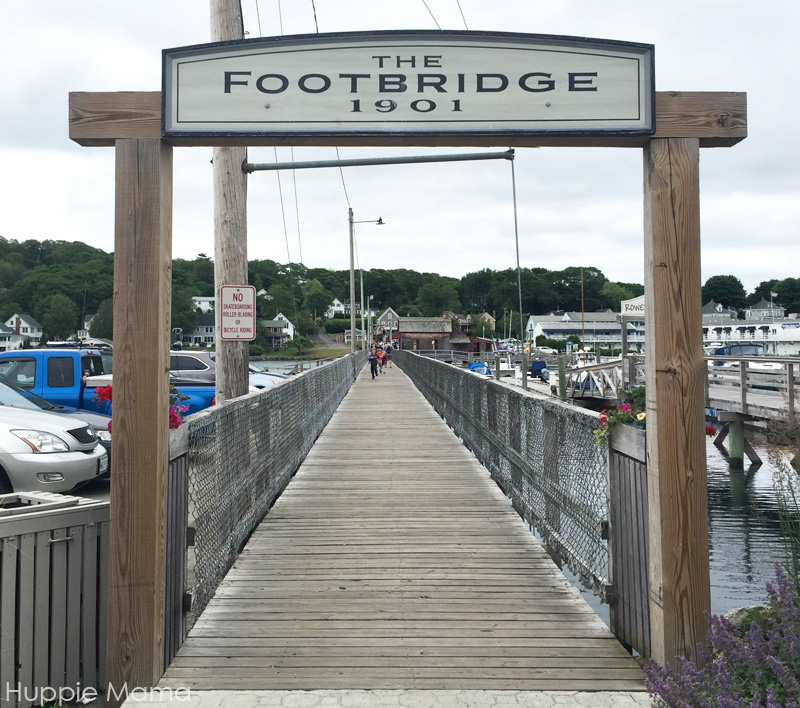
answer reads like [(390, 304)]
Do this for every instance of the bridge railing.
[(239, 456), (739, 380), (541, 452)]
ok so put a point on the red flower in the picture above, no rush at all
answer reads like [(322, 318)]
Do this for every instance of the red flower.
[(101, 394)]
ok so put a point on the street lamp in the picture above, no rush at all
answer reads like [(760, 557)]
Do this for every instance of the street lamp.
[(379, 221)]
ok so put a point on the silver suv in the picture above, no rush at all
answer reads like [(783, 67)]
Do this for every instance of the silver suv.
[(45, 452)]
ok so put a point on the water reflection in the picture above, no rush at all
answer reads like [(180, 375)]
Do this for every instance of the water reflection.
[(744, 530), (744, 533)]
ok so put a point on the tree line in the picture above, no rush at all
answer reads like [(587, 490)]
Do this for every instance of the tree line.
[(59, 282)]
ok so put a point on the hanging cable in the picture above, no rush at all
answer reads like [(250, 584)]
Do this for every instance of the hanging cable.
[(297, 209), (344, 186), (314, 8), (431, 14), (258, 18), (516, 241), (280, 17), (458, 2), (286, 238)]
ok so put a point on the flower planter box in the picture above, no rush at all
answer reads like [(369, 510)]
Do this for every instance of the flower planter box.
[(629, 440)]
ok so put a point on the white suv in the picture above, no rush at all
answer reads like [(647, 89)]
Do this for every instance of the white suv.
[(45, 452)]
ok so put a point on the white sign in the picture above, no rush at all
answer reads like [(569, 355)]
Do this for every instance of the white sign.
[(238, 315), (633, 308), (409, 83)]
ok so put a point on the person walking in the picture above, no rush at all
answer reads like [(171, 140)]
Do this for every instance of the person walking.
[(381, 360), (373, 362), (387, 350)]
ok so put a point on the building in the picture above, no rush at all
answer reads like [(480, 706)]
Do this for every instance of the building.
[(336, 309), (279, 331), (388, 320), (9, 339), (204, 333), (203, 303), (716, 313), (27, 327), (765, 311), (348, 336), (595, 330), (418, 333)]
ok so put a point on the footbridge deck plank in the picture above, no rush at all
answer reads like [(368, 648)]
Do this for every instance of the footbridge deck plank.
[(392, 560)]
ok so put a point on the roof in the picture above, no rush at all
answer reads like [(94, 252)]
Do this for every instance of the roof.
[(559, 316), (387, 314), (459, 336), (29, 320), (205, 319), (764, 305), (433, 325)]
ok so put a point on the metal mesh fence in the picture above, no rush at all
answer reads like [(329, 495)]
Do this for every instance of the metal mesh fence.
[(541, 453), (242, 455)]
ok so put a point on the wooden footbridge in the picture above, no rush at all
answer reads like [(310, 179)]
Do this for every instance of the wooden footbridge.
[(392, 560)]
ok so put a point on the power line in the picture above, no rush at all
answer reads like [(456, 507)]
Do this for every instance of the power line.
[(431, 14), (458, 2), (314, 8), (286, 238), (344, 186), (258, 17)]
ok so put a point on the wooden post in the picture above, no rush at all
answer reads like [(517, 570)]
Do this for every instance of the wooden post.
[(230, 223), (142, 270), (678, 509)]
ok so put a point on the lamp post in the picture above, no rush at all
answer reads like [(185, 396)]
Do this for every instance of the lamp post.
[(379, 222)]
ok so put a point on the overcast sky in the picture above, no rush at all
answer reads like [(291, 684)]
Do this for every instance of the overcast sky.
[(577, 207)]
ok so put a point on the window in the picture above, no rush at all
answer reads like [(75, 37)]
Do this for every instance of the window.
[(92, 365), (21, 372), (186, 363), (60, 372)]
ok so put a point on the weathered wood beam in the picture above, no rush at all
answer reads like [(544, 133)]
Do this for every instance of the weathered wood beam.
[(142, 282), (716, 119), (675, 371)]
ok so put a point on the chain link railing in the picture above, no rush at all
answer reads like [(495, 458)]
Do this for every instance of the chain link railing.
[(242, 455), (541, 453)]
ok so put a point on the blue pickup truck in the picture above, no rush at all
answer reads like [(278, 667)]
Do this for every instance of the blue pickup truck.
[(66, 377)]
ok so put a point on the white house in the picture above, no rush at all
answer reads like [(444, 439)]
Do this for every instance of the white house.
[(83, 332), (279, 331), (203, 334), (336, 309), (10, 340), (204, 304), (26, 326), (764, 311)]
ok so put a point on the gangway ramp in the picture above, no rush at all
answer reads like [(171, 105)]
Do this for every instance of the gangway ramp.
[(393, 561)]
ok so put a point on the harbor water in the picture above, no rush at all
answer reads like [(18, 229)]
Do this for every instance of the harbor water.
[(744, 532)]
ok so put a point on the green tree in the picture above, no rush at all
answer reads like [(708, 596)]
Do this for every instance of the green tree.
[(60, 317), (102, 324), (318, 298), (726, 290), (788, 291), (762, 291), (614, 293), (300, 344), (183, 312), (280, 300), (437, 296)]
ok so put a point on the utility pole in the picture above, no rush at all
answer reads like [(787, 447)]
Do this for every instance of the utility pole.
[(352, 284), (230, 223), (363, 341)]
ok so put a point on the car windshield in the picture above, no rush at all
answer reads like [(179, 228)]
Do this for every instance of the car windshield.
[(16, 397)]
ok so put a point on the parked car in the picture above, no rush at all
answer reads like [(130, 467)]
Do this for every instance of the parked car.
[(201, 367), (16, 397), (45, 452)]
